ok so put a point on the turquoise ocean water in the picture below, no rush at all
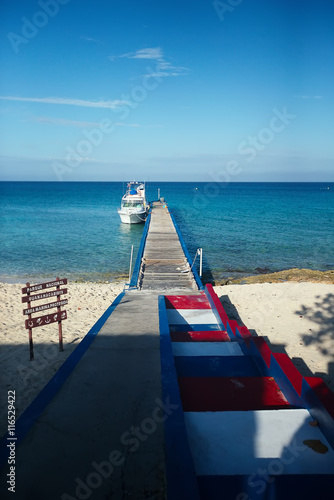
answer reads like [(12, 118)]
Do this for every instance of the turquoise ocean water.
[(73, 229)]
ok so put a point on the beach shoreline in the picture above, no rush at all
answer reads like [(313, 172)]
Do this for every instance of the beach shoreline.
[(295, 317), (287, 275), (260, 276), (22, 280)]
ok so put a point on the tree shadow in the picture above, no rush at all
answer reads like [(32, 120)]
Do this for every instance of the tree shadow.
[(322, 314)]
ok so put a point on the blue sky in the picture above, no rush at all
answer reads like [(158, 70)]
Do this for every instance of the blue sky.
[(235, 90)]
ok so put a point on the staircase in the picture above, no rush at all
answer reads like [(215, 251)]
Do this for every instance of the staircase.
[(246, 424)]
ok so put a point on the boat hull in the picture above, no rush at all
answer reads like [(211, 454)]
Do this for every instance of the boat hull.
[(134, 218)]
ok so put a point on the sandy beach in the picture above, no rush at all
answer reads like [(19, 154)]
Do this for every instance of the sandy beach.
[(296, 318)]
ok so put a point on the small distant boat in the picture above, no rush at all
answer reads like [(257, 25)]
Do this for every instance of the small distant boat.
[(134, 207)]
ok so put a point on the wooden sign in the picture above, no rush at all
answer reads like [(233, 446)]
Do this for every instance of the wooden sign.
[(44, 307), (57, 316), (43, 286), (45, 320), (55, 293)]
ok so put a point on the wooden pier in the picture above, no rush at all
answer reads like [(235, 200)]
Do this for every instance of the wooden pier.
[(164, 265)]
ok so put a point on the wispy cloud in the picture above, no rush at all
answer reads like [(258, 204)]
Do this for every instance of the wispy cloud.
[(309, 96), (43, 158), (61, 122), (121, 124), (164, 67), (68, 102), (89, 39), (74, 123), (149, 53), (167, 69)]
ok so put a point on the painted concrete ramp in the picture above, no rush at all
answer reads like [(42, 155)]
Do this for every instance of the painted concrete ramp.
[(102, 435), (247, 425)]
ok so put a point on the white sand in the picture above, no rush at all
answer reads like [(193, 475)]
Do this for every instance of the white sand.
[(297, 318)]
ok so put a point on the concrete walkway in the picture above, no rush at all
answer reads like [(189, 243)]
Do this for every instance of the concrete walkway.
[(102, 435)]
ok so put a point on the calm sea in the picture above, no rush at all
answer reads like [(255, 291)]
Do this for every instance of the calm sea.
[(73, 229)]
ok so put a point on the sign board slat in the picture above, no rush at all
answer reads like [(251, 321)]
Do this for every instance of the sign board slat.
[(45, 307), (45, 320), (45, 295), (43, 286)]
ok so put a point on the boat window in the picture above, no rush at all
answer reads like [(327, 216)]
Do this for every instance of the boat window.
[(132, 204)]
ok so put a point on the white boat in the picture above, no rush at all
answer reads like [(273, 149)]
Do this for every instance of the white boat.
[(134, 207)]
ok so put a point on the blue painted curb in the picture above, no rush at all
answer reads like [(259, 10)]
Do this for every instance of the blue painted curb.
[(39, 404), (136, 269)]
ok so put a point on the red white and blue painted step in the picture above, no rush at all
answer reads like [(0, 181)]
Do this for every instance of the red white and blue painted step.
[(244, 422)]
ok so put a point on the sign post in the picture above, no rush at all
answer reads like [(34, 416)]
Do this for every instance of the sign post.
[(59, 316), (60, 330), (31, 346)]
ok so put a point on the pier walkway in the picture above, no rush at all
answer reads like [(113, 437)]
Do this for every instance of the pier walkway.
[(164, 264), (102, 435)]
